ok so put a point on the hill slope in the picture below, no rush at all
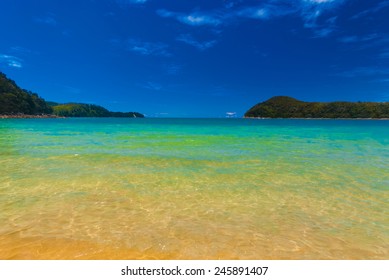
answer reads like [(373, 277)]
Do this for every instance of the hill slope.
[(14, 100), (288, 107)]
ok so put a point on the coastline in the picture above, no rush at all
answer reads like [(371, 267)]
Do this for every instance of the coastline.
[(23, 116)]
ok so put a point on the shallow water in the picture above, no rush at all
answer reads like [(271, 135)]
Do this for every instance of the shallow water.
[(194, 189)]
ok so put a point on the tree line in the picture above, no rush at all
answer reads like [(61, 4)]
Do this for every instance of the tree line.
[(288, 107)]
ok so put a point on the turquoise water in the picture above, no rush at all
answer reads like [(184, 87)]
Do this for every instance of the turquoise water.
[(194, 189)]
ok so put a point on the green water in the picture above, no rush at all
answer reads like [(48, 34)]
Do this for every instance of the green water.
[(194, 189)]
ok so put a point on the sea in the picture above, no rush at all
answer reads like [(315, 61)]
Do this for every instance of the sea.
[(115, 188)]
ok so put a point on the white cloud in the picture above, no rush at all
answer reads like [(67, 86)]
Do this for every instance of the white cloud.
[(188, 39), (311, 11), (267, 10), (148, 48), (320, 1), (254, 12), (198, 19), (131, 1), (314, 13), (11, 61), (194, 19)]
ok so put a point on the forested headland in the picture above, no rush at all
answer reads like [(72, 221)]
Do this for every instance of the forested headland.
[(288, 107), (18, 102)]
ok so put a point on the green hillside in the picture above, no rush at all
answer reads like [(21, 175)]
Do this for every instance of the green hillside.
[(288, 107), (88, 110), (14, 100)]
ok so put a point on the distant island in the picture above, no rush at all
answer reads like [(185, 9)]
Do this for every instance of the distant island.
[(20, 103), (288, 107)]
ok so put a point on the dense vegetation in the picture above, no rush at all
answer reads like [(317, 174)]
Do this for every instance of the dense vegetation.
[(14, 100), (88, 110), (288, 107)]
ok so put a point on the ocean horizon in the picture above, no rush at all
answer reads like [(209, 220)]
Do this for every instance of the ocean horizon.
[(194, 188)]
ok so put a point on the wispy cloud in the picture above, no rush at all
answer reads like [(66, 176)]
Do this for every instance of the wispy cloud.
[(259, 13), (320, 1), (11, 61), (381, 5), (194, 19), (357, 39), (48, 20), (349, 39), (131, 1), (20, 50), (318, 15), (229, 4), (173, 69), (188, 39), (152, 86), (148, 48), (267, 10), (384, 54), (373, 40), (311, 11), (382, 80), (366, 71), (323, 32)]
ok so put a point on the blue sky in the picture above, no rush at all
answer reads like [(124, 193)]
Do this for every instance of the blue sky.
[(196, 58)]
